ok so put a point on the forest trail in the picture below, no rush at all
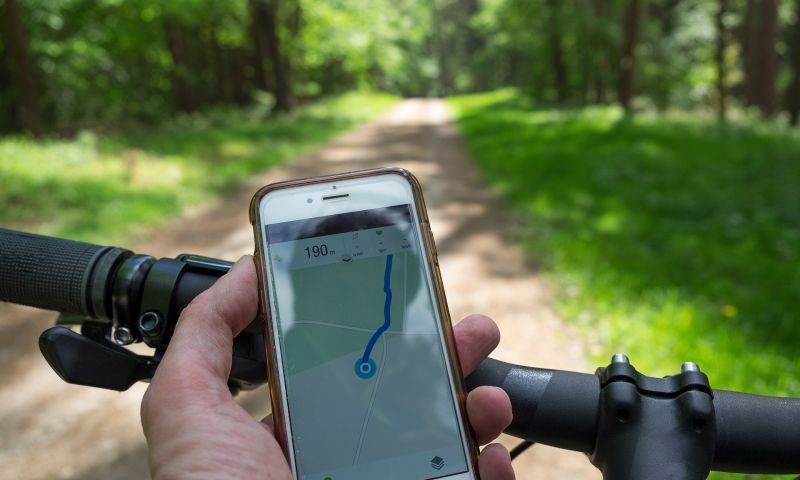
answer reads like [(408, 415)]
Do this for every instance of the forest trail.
[(49, 429)]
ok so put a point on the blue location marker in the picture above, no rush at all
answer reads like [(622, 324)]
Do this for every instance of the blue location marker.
[(366, 369)]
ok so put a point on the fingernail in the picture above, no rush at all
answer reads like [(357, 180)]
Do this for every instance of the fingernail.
[(242, 260)]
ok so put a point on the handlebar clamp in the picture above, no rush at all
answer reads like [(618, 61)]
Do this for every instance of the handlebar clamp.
[(667, 423)]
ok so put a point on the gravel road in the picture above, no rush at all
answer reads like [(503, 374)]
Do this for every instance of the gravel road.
[(49, 429)]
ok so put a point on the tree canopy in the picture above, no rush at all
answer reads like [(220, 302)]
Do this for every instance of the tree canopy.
[(66, 64)]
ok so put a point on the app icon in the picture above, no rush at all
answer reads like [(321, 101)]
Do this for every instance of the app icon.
[(437, 462)]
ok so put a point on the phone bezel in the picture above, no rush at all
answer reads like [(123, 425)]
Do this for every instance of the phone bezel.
[(286, 201)]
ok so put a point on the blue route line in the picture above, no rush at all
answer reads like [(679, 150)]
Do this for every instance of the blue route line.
[(365, 364)]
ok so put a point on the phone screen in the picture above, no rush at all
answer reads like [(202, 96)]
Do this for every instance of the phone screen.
[(365, 370)]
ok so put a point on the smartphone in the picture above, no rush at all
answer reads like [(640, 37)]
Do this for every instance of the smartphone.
[(363, 371)]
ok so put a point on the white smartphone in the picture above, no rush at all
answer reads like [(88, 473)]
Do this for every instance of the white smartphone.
[(363, 369)]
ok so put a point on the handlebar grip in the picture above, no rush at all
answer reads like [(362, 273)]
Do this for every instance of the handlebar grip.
[(551, 407), (50, 273), (756, 434)]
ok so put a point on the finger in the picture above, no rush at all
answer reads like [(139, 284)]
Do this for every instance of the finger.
[(489, 412), (494, 463), (476, 336), (203, 338)]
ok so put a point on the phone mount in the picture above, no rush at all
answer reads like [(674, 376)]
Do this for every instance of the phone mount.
[(146, 297)]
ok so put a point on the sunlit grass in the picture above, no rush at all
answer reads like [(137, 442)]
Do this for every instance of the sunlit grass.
[(105, 188), (670, 240)]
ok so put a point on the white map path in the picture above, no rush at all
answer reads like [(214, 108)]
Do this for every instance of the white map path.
[(368, 415)]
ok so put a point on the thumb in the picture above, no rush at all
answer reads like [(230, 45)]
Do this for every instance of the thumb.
[(199, 353)]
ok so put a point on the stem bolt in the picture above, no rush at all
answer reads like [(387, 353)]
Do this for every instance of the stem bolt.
[(620, 358), (689, 367)]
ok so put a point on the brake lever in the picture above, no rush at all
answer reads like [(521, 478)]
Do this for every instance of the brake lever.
[(89, 358), (93, 362)]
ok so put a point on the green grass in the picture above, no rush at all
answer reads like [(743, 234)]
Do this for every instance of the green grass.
[(105, 188), (670, 240)]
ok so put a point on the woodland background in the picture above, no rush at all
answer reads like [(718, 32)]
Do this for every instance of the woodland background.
[(71, 64)]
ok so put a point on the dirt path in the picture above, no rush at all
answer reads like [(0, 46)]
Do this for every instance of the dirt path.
[(52, 430)]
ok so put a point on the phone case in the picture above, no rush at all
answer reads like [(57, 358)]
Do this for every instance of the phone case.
[(433, 264)]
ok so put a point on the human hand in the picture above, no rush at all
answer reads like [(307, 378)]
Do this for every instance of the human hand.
[(195, 429)]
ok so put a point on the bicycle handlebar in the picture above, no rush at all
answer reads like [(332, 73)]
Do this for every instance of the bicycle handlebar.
[(552, 407), (754, 434)]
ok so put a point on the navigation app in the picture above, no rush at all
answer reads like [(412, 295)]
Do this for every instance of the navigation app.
[(365, 371)]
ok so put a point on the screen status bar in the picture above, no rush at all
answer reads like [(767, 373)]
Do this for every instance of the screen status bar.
[(344, 248)]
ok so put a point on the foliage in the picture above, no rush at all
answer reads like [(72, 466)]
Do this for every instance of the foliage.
[(668, 239), (99, 61), (104, 188), (365, 43), (526, 43), (141, 61)]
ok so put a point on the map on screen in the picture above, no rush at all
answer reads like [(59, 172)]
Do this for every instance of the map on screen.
[(366, 378)]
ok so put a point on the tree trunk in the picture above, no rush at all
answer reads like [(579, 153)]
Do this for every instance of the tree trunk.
[(28, 111), (222, 67), (793, 89), (181, 84), (557, 53), (719, 59), (257, 34), (443, 77), (627, 65), (748, 41), (765, 57), (8, 97), (601, 63), (279, 67), (587, 48)]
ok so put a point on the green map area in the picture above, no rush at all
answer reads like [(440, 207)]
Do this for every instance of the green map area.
[(363, 361), (339, 306)]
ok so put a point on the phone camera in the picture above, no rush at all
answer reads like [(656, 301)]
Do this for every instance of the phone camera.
[(309, 200)]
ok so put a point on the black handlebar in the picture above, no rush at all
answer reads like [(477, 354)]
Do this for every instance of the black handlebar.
[(755, 434), (551, 407), (112, 286)]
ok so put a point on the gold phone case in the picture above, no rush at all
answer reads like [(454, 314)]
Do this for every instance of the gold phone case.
[(431, 258)]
